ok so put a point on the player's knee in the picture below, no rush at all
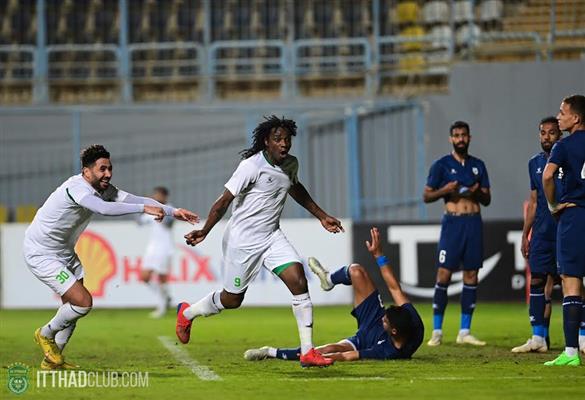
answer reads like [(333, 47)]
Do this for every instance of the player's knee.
[(537, 281), (470, 277), (357, 272), (145, 276)]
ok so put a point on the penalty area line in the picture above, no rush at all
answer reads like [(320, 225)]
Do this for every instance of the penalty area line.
[(202, 371)]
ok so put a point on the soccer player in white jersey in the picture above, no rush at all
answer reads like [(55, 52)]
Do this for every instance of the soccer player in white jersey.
[(253, 238), (50, 239), (159, 251)]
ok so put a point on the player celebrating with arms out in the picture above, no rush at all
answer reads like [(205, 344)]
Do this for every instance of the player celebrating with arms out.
[(540, 250), (50, 239), (461, 180), (384, 334), (569, 154), (253, 238)]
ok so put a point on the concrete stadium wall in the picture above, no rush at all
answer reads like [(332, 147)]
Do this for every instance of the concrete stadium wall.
[(503, 103)]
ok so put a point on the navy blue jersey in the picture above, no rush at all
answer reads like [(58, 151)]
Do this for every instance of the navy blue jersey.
[(448, 169), (545, 226), (569, 154), (372, 341)]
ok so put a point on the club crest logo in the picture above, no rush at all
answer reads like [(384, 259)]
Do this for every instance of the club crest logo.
[(475, 171), (18, 378)]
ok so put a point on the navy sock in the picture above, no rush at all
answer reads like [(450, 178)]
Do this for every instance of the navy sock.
[(439, 305), (572, 310), (536, 309), (468, 297), (341, 276), (289, 354), (582, 329), (547, 320)]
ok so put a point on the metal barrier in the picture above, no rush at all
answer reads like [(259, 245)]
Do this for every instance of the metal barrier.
[(17, 63), (83, 63), (361, 161), (414, 55), (502, 43)]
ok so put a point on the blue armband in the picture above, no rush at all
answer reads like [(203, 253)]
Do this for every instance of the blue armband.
[(381, 261)]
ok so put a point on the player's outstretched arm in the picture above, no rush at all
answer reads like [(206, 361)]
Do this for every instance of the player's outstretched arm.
[(99, 206), (217, 211), (301, 196), (392, 283), (351, 355), (179, 213)]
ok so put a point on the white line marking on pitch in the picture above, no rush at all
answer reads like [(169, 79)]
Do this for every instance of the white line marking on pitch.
[(203, 372)]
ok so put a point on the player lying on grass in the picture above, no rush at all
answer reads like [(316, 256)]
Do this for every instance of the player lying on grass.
[(50, 240), (383, 333)]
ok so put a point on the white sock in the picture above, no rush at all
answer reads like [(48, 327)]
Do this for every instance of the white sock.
[(62, 337), (65, 316), (272, 352), (463, 332), (438, 331), (303, 310), (209, 305), (571, 351), (328, 278), (581, 341), (163, 296)]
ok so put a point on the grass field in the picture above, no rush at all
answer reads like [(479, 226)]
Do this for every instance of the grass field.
[(126, 340)]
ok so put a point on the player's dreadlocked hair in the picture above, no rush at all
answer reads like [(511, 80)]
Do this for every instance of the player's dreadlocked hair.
[(264, 129)]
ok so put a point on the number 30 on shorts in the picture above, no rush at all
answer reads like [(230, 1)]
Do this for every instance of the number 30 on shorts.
[(442, 255), (62, 277)]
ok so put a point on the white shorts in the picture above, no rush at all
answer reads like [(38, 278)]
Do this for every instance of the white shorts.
[(157, 261), (55, 273), (240, 266)]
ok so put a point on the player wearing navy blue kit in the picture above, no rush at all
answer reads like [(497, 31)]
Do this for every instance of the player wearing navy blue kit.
[(461, 180), (569, 155), (395, 332), (540, 247)]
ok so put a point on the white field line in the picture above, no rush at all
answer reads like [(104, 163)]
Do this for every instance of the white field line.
[(203, 372)]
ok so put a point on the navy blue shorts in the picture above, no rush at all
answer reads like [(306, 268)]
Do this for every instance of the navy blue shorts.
[(571, 242), (542, 257), (461, 242), (369, 315)]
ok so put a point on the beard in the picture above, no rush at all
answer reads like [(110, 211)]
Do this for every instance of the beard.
[(461, 149), (546, 147)]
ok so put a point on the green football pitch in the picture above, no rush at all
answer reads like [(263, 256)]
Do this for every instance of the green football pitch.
[(212, 366)]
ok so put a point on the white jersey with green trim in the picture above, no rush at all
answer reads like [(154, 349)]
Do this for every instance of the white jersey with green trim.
[(260, 191), (60, 221)]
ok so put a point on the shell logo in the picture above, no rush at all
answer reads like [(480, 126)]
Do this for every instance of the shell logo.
[(98, 260)]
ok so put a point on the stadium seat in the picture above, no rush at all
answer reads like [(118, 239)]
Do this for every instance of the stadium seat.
[(442, 36), (467, 35), (491, 13), (411, 63), (3, 214), (462, 11), (412, 32), (435, 12), (25, 213), (407, 12)]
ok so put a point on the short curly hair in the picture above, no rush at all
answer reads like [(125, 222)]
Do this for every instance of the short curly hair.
[(92, 153)]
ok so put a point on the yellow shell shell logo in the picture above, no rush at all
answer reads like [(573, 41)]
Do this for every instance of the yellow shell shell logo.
[(98, 260)]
